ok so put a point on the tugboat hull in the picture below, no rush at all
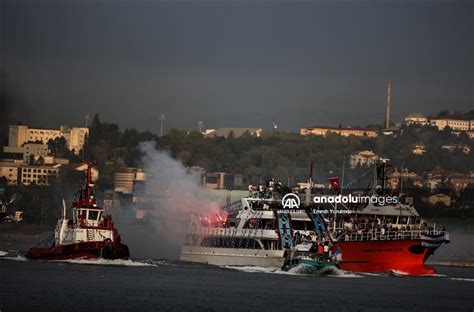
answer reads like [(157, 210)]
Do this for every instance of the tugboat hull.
[(84, 250)]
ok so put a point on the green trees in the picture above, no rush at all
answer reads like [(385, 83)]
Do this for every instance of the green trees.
[(58, 147), (279, 154)]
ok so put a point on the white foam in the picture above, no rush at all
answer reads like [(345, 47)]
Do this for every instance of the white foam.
[(14, 258), (344, 274), (161, 262), (3, 253), (116, 262), (462, 279), (372, 274), (253, 269), (300, 269), (400, 273)]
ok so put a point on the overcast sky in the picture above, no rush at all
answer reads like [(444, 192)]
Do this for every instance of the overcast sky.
[(237, 63)]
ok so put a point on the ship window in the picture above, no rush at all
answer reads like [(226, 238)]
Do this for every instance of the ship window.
[(225, 242), (264, 224), (93, 214), (269, 244)]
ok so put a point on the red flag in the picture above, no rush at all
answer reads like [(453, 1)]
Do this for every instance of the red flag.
[(335, 184)]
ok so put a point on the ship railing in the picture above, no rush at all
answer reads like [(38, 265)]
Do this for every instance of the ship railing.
[(236, 205), (390, 235), (231, 232)]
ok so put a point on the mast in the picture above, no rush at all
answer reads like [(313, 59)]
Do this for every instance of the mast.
[(88, 182)]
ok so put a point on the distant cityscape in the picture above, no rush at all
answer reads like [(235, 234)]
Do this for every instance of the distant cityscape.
[(38, 156)]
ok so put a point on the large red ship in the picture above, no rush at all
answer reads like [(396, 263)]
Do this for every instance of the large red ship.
[(89, 234), (384, 237)]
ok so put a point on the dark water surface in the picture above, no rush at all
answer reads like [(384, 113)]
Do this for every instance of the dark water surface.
[(60, 286)]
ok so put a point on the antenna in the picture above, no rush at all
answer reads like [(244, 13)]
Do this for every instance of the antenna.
[(162, 118), (64, 209), (389, 94), (86, 118)]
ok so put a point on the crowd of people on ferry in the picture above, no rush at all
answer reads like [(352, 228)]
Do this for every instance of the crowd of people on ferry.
[(378, 227), (267, 190)]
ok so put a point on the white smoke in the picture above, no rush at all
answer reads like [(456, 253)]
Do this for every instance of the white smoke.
[(175, 193)]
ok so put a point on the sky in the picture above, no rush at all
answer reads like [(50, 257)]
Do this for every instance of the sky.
[(235, 63)]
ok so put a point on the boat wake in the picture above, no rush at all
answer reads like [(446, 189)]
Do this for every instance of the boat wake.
[(12, 256), (17, 256), (254, 269), (106, 262), (462, 279), (300, 269), (403, 273)]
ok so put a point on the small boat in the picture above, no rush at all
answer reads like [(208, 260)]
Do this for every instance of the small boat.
[(306, 257), (88, 235)]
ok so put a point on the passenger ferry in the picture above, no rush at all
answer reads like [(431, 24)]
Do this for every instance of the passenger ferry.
[(258, 230)]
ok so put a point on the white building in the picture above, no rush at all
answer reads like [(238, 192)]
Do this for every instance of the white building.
[(26, 150), (225, 132), (9, 170), (416, 119), (454, 124), (362, 158), (39, 175), (347, 131), (24, 174), (21, 134)]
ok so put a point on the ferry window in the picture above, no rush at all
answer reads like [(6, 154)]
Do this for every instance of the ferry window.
[(220, 242), (93, 214), (251, 224), (269, 244)]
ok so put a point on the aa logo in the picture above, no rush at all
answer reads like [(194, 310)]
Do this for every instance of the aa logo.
[(290, 201)]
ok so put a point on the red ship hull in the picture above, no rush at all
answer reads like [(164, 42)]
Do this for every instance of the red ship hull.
[(397, 256), (85, 250)]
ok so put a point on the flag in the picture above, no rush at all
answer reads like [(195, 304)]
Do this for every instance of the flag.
[(335, 184)]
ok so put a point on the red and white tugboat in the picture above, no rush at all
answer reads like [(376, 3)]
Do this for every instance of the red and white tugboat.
[(88, 235)]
